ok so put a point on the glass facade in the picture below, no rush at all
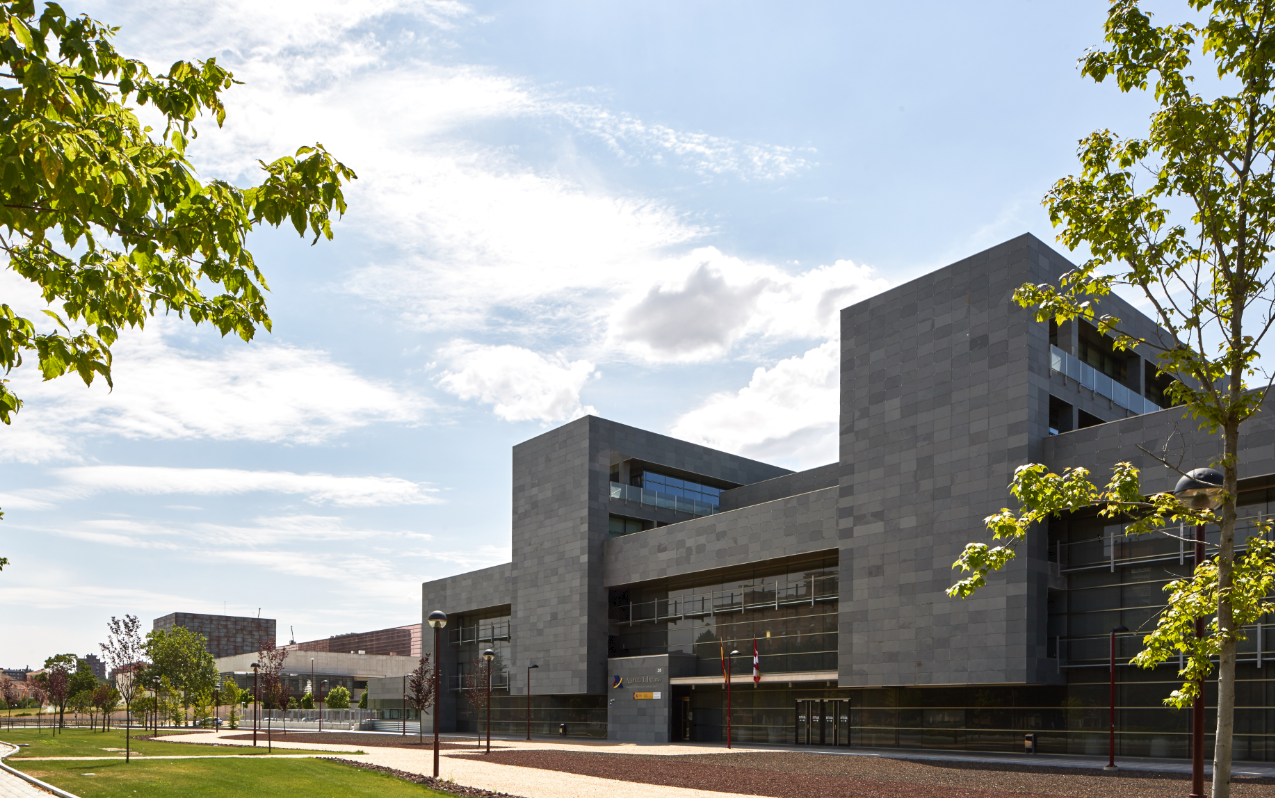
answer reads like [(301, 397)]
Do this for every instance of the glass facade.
[(791, 613), (473, 634), (582, 715), (672, 486)]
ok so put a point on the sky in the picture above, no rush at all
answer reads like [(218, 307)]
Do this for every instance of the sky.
[(651, 212)]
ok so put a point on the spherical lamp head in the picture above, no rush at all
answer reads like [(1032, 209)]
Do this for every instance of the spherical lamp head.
[(735, 653), (437, 619), (1120, 628), (1200, 489), (255, 665), (489, 655), (529, 667)]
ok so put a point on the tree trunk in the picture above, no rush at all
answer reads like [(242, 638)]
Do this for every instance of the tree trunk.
[(1223, 741)]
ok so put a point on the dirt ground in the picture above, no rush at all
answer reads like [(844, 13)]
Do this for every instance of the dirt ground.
[(798, 775)]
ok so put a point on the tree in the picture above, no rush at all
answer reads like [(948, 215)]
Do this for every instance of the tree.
[(362, 701), (231, 695), (82, 680), (475, 690), (307, 702), (274, 693), (80, 703), (1209, 284), (10, 692), (105, 699), (108, 219), (339, 698), (181, 656), (421, 689), (56, 681), (124, 655)]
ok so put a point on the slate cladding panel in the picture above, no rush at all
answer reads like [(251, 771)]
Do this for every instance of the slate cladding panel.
[(781, 487), (801, 524), (944, 391), (555, 584), (1171, 432), (645, 720), (227, 635)]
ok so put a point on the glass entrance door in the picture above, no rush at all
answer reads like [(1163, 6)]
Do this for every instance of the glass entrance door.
[(823, 721), (809, 721), (686, 717)]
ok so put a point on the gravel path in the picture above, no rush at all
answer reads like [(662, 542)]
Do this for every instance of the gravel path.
[(797, 775)]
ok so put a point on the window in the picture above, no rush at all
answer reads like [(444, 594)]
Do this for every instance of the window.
[(673, 486), (620, 525)]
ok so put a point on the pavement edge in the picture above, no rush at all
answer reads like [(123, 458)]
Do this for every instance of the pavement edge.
[(30, 779)]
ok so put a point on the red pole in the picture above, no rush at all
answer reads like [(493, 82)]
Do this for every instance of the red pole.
[(256, 693), (528, 703), (1111, 738), (489, 706), (404, 706), (728, 706), (1197, 708)]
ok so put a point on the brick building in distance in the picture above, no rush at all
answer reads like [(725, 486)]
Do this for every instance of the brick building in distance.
[(401, 641), (227, 635)]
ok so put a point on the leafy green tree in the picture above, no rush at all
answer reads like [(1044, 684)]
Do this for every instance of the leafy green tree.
[(362, 700), (181, 657), (106, 699), (339, 698), (10, 692), (1206, 277), (82, 680), (106, 216), (80, 703), (231, 696), (293, 703), (307, 701)]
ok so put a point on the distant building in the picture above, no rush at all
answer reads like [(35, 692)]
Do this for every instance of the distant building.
[(16, 674), (400, 641), (227, 635), (337, 669), (96, 665)]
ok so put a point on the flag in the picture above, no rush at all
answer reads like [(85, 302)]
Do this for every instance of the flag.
[(756, 664), (722, 648)]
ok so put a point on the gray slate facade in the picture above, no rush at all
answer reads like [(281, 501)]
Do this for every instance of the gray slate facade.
[(946, 387)]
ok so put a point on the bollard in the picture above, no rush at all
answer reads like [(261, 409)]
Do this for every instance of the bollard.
[(562, 729), (1029, 743)]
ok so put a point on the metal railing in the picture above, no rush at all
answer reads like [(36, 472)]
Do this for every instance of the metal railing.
[(652, 498), (1074, 368), (499, 681), (479, 633), (721, 602)]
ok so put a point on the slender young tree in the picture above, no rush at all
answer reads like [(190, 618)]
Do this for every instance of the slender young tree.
[(56, 681), (125, 656), (1182, 218), (475, 692), (420, 693), (10, 692)]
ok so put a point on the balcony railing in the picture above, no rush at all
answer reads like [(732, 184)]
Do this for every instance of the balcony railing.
[(481, 632), (1096, 381), (651, 498), (722, 602), (499, 681)]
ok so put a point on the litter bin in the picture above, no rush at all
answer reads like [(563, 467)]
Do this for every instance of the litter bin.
[(1029, 743), (562, 729)]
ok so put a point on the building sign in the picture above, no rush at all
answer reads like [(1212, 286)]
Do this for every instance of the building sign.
[(647, 696), (645, 679)]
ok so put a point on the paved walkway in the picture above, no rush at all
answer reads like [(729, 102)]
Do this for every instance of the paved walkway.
[(13, 787)]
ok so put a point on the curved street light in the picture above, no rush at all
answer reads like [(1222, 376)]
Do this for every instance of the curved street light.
[(437, 620), (256, 702), (730, 666)]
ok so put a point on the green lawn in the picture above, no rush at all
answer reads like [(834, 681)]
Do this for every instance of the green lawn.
[(84, 742), (213, 778)]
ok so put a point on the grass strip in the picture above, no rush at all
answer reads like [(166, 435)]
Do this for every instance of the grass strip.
[(85, 742), (223, 778)]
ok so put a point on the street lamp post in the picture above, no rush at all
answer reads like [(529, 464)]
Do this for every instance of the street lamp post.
[(256, 702), (529, 667), (730, 665), (155, 681), (321, 692), (313, 686), (1200, 489), (437, 620), (1111, 738), (489, 655)]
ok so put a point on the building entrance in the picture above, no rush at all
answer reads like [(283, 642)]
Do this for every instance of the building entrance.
[(823, 721)]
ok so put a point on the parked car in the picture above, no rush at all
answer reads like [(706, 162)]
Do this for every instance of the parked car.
[(211, 723)]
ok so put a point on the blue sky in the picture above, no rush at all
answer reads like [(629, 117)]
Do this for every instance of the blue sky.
[(651, 212)]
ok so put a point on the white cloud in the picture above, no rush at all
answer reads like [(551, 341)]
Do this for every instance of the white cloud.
[(341, 491), (712, 300), (787, 413), (257, 392), (521, 385)]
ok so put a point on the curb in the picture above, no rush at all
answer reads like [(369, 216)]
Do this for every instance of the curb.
[(31, 779)]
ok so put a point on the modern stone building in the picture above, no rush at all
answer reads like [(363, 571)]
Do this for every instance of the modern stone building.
[(227, 635), (639, 560)]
